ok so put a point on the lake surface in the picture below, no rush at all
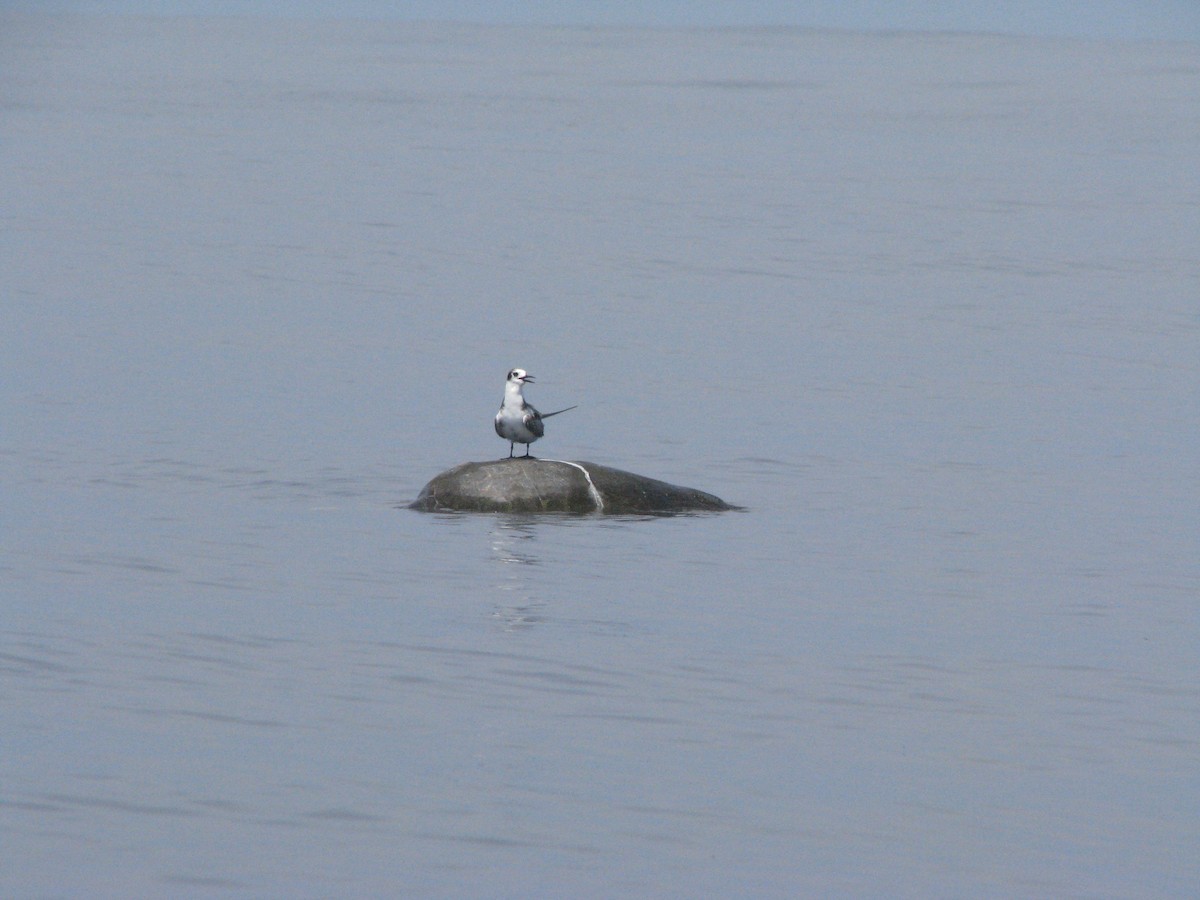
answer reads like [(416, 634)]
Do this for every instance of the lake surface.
[(925, 304)]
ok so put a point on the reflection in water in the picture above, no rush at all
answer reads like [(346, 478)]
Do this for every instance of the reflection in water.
[(512, 545)]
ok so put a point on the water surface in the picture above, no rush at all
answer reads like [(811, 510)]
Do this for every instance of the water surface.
[(925, 304)]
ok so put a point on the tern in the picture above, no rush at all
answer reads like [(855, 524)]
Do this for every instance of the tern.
[(518, 422)]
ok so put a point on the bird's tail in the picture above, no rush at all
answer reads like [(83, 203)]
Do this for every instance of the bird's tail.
[(557, 411)]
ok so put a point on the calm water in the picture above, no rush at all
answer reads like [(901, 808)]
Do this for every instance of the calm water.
[(926, 304)]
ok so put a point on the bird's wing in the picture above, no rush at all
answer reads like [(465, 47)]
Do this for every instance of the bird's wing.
[(533, 421)]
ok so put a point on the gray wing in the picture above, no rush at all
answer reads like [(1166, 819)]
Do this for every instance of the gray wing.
[(533, 421)]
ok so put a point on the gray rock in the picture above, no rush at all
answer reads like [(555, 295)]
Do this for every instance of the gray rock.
[(528, 484)]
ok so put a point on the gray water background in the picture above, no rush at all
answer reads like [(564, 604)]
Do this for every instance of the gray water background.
[(926, 304)]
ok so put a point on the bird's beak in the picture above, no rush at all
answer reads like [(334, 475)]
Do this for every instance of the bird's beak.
[(527, 378)]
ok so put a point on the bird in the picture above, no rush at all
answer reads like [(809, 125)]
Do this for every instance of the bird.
[(518, 422)]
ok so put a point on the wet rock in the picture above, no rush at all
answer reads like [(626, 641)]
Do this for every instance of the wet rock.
[(531, 485)]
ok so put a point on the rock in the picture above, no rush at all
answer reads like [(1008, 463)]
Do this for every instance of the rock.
[(528, 484)]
